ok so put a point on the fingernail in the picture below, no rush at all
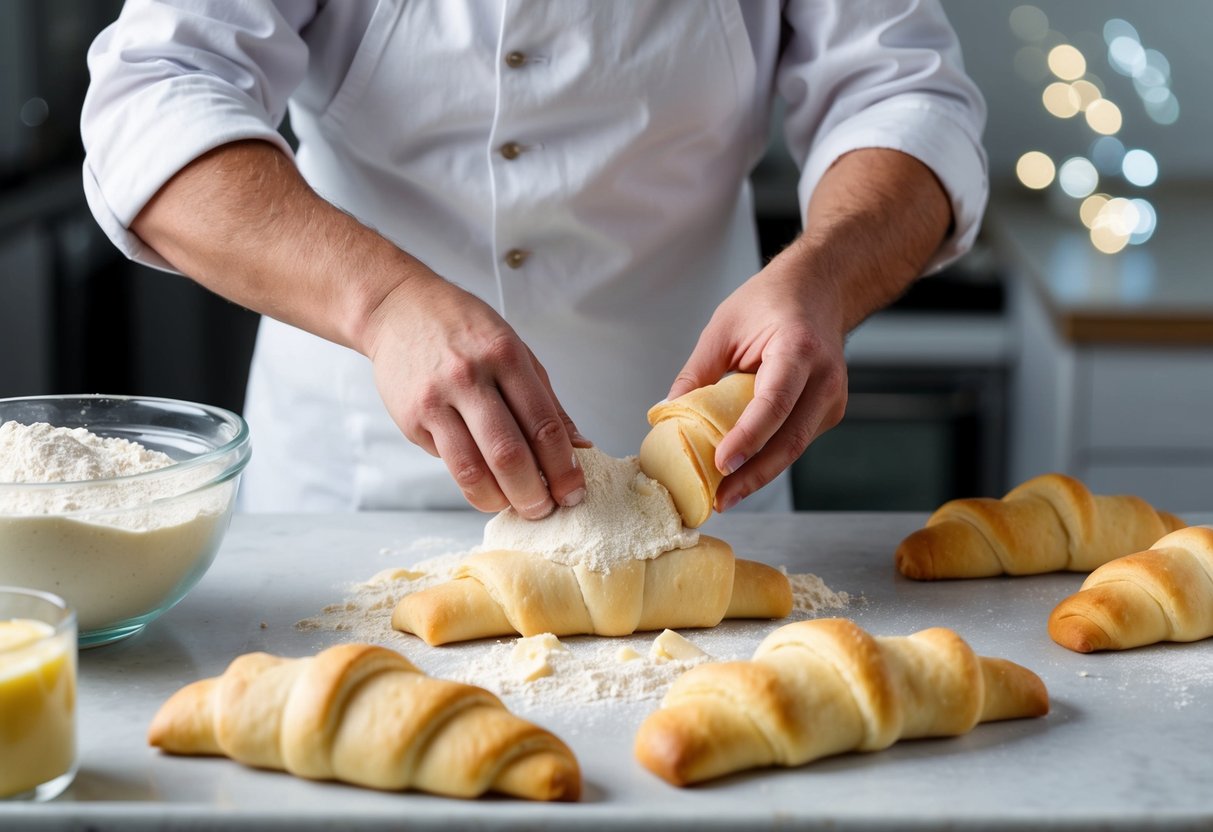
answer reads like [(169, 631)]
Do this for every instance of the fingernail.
[(539, 510), (578, 437), (573, 497), (734, 462), (729, 503)]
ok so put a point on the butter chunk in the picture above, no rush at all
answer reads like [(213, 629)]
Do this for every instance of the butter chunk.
[(627, 654), (531, 658), (669, 646)]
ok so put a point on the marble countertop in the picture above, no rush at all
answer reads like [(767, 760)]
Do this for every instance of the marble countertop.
[(1126, 746), (1158, 292)]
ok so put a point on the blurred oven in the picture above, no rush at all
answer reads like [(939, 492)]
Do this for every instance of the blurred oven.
[(912, 439)]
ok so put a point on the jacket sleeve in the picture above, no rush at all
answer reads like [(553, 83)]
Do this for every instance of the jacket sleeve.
[(173, 79), (884, 73)]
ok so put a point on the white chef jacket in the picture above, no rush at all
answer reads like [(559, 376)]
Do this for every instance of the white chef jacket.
[(606, 234)]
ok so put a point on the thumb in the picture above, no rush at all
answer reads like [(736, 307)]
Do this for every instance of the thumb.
[(709, 362)]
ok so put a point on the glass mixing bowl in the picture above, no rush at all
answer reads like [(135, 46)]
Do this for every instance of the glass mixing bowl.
[(123, 550)]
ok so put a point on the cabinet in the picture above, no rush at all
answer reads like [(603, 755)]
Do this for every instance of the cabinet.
[(1125, 405)]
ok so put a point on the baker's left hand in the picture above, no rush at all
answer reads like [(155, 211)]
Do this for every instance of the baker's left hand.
[(790, 331)]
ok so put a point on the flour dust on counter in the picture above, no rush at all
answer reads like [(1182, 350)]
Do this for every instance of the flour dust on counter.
[(575, 670)]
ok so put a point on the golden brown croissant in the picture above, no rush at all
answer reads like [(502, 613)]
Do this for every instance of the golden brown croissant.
[(680, 449), (1162, 594), (364, 715), (822, 687), (1048, 524), (504, 592)]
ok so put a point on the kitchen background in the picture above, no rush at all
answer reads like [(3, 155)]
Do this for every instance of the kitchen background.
[(1077, 336)]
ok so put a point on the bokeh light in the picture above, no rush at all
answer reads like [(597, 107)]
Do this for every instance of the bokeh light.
[(1087, 93), (1114, 225), (1090, 208), (1156, 73), (1147, 221), (1061, 100), (1161, 105), (1067, 63), (1078, 177), (1127, 56), (1108, 154), (1140, 168), (1103, 117), (1118, 28), (1035, 170), (1029, 23)]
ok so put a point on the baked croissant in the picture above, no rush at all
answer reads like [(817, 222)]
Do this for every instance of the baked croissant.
[(1162, 594), (504, 592), (365, 715), (1048, 524), (680, 449), (822, 687)]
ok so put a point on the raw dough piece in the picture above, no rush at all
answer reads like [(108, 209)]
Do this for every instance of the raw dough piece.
[(822, 687), (364, 715), (680, 449), (1049, 523), (503, 592), (1162, 594)]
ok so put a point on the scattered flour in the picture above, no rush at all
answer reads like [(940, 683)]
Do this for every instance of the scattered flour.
[(625, 515), (594, 670)]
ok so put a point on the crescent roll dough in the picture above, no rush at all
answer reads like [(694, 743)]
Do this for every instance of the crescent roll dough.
[(1162, 594), (365, 715), (503, 592), (822, 687), (680, 449), (1047, 524)]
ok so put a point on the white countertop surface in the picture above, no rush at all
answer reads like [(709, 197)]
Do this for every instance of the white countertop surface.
[(1128, 744)]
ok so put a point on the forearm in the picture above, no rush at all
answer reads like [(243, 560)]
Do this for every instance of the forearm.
[(874, 221), (242, 222)]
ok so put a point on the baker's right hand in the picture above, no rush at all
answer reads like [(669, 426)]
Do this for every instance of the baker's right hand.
[(461, 384)]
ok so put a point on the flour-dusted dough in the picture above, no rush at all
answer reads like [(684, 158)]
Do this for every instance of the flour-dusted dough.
[(505, 592), (822, 687), (1049, 523), (680, 449), (364, 715), (1162, 594)]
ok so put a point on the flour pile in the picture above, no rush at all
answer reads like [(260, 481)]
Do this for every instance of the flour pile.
[(625, 516), (42, 453)]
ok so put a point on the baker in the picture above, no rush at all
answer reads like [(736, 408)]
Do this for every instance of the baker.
[(512, 224)]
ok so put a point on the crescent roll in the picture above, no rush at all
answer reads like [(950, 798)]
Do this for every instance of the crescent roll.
[(1048, 524), (680, 449), (826, 686), (1162, 594), (364, 715), (503, 592)]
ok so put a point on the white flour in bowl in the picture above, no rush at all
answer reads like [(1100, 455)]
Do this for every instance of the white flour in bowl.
[(590, 672), (115, 557)]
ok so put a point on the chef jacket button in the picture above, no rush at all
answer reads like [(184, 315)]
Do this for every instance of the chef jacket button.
[(511, 150), (515, 60), (515, 257)]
